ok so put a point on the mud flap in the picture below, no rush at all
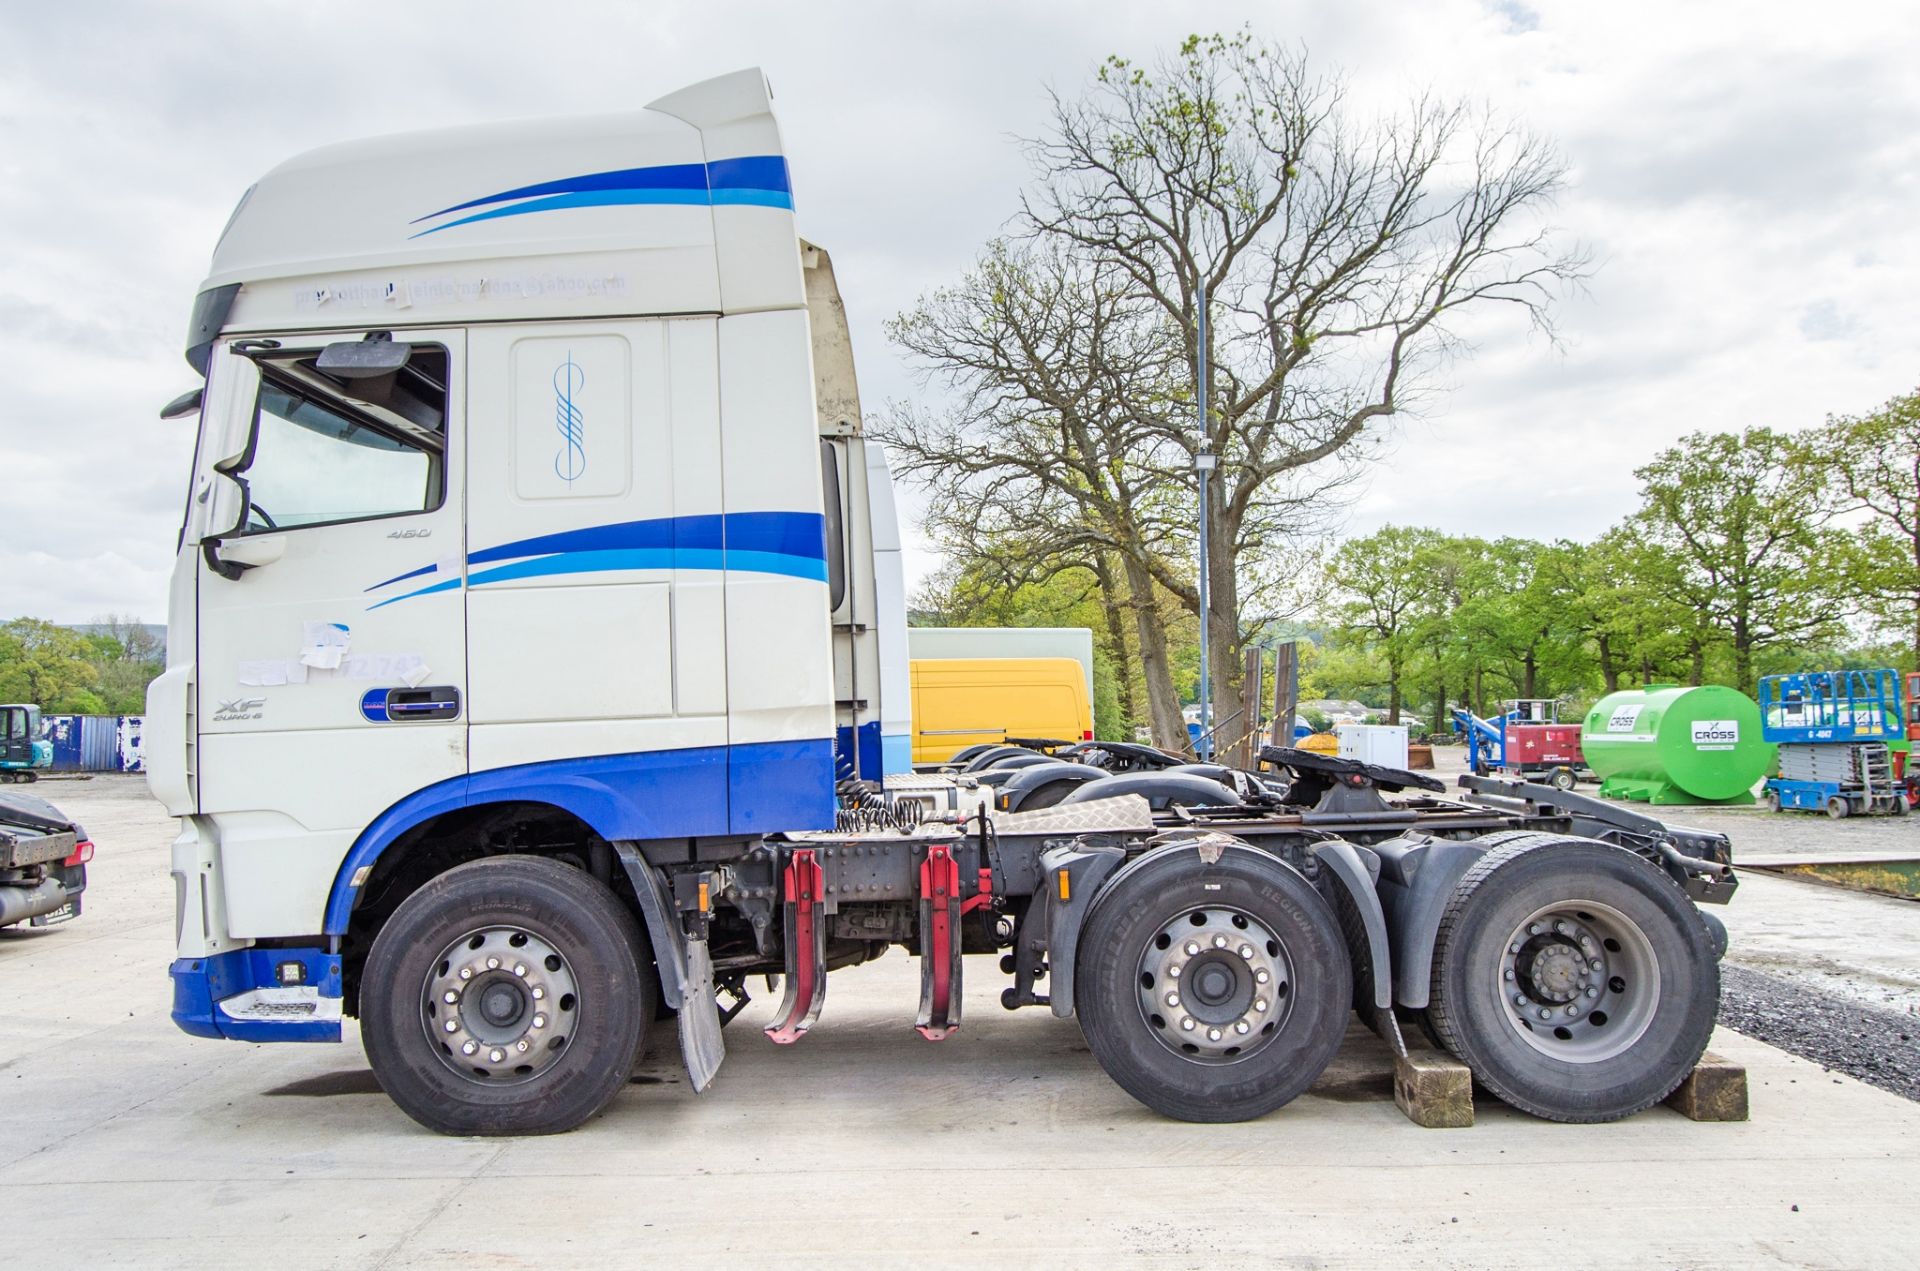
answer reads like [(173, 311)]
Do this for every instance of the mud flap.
[(701, 1045)]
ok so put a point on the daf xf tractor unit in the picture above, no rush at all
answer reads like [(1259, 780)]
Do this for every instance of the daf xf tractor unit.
[(537, 669)]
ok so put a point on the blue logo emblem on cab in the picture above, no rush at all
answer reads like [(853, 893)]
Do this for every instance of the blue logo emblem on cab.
[(571, 459)]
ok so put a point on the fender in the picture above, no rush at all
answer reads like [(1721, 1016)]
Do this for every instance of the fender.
[(663, 927), (1344, 862), (1025, 781), (1087, 868), (1417, 878), (1159, 789)]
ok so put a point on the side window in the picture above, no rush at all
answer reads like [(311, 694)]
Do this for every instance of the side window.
[(327, 451)]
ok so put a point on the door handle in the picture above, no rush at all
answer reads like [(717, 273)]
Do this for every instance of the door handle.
[(391, 705)]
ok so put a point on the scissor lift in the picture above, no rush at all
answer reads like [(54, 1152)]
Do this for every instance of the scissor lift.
[(1832, 728)]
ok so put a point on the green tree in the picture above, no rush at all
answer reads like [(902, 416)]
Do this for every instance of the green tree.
[(1744, 521), (50, 666), (1386, 589), (1877, 461)]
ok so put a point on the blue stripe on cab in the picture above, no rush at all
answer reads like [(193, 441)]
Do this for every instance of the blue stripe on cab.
[(748, 181)]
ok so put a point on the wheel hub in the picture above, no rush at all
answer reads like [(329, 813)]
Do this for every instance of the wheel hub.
[(1579, 981), (499, 1004), (1215, 985)]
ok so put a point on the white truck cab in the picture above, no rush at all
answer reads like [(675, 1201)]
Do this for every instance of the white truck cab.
[(508, 514)]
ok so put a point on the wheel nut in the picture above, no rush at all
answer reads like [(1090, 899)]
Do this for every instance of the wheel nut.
[(493, 964), (1509, 973), (466, 973), (539, 1021), (1260, 1004), (538, 992), (1242, 1027), (1560, 927), (1592, 991), (467, 1048), (1572, 1011), (1219, 942), (449, 997), (1246, 951), (1173, 972), (1545, 1014), (520, 969), (1262, 976), (1173, 999), (452, 1026), (1519, 999), (1193, 948), (1514, 947), (1186, 1024), (496, 1055), (520, 1045), (1533, 929), (1213, 1034), (1596, 964)]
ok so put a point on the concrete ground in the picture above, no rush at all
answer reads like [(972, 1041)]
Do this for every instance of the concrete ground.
[(125, 1142)]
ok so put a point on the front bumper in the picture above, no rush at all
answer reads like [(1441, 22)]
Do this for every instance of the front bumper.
[(244, 995)]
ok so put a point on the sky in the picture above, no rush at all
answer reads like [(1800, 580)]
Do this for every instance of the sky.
[(1746, 174)]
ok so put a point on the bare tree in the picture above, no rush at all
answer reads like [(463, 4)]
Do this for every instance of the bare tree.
[(1334, 253)]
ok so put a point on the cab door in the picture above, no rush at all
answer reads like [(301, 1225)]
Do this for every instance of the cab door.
[(331, 658)]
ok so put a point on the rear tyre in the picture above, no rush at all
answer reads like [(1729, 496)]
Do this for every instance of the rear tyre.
[(1562, 779), (507, 996), (1773, 800), (1574, 978), (1213, 992), (1838, 808)]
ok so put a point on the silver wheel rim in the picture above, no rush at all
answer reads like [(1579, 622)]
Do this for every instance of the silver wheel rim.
[(1215, 985), (1579, 981), (500, 1005)]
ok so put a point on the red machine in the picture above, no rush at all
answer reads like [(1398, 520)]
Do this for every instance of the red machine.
[(1531, 747)]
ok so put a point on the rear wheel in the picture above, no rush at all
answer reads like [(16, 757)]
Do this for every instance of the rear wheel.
[(1574, 978), (1838, 807), (1773, 800), (1562, 779), (1213, 992), (507, 996)]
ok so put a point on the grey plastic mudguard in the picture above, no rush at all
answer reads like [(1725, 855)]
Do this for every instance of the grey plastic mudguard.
[(663, 927), (1160, 789), (1088, 867), (1347, 865), (1417, 878), (1034, 776)]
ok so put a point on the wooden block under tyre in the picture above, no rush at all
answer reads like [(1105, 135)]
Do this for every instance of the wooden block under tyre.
[(1434, 1090), (1716, 1090)]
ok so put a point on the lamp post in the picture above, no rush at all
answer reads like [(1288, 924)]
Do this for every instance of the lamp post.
[(1203, 464), (1203, 461)]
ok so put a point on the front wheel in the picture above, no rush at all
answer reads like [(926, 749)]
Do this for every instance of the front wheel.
[(1574, 979), (1213, 992), (507, 996)]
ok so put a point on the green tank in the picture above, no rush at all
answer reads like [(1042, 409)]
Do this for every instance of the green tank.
[(1671, 744)]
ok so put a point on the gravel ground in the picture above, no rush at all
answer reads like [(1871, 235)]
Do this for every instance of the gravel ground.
[(1881, 1048)]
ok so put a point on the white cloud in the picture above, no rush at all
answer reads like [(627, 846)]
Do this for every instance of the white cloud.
[(1745, 170)]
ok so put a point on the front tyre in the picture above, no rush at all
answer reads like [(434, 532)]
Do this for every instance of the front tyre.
[(1574, 978), (1213, 992), (507, 996)]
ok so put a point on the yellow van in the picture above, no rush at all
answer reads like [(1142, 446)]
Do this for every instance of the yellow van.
[(960, 702)]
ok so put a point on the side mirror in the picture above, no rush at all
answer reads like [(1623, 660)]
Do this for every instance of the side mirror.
[(188, 403)]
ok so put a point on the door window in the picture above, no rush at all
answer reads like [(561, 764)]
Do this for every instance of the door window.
[(324, 454)]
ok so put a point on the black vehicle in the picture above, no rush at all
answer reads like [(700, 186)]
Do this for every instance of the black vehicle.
[(43, 862)]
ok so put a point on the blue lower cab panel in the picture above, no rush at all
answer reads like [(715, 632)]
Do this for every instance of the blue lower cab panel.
[(780, 785), (700, 791), (201, 985)]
